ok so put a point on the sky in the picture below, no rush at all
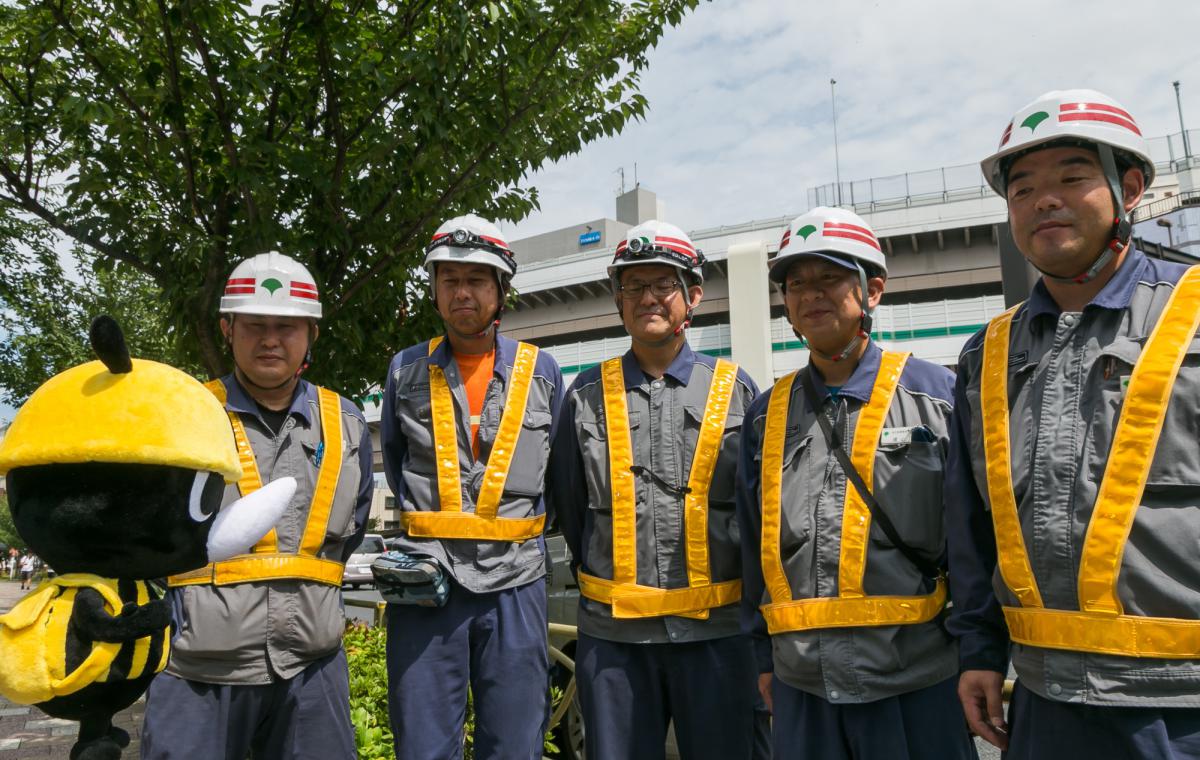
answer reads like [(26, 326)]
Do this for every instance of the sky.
[(740, 126)]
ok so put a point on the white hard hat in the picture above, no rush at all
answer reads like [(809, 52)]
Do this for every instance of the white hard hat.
[(1081, 116), (271, 284), (470, 239), (834, 234), (656, 242)]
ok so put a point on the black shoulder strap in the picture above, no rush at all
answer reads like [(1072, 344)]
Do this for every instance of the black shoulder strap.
[(927, 568)]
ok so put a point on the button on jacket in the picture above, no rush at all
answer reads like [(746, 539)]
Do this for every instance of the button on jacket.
[(862, 663), (1067, 374), (408, 456), (254, 633), (664, 424)]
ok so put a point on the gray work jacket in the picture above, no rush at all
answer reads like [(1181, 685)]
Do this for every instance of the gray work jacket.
[(254, 633), (865, 663), (408, 457), (664, 423), (1066, 375)]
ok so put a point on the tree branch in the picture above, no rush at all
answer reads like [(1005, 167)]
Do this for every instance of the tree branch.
[(23, 199), (179, 122), (384, 261), (224, 119), (281, 54), (104, 72)]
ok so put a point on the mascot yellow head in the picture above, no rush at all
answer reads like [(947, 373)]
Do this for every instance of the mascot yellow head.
[(118, 467)]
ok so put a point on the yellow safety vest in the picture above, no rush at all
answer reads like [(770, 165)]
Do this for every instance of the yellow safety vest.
[(266, 562), (852, 607), (483, 524), (628, 599), (34, 637), (1100, 625)]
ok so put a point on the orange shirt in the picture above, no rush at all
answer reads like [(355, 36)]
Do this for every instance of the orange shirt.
[(476, 371)]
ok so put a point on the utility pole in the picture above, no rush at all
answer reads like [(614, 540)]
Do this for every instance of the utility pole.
[(837, 166), (1187, 149)]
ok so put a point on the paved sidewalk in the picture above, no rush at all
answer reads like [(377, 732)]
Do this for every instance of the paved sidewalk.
[(28, 732)]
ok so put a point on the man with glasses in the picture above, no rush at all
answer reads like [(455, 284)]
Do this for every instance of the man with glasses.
[(642, 471), (466, 426), (844, 588)]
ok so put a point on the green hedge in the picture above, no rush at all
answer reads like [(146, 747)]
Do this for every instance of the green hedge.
[(366, 647)]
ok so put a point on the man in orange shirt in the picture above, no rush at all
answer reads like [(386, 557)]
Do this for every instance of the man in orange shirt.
[(465, 428)]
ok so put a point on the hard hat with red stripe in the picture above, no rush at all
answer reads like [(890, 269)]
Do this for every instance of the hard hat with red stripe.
[(834, 234), (271, 284), (656, 242), (1086, 119), (1068, 116), (471, 239)]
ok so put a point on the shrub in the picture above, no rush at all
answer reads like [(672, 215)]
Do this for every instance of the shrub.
[(366, 648)]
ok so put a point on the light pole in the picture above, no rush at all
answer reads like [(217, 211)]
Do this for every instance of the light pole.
[(1187, 149), (837, 166), (1164, 222)]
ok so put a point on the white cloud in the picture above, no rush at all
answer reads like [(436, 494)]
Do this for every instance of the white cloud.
[(739, 125)]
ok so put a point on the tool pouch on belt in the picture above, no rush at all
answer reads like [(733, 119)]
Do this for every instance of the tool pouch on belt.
[(403, 578)]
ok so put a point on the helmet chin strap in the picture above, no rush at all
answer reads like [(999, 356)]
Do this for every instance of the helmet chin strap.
[(1122, 228), (864, 324)]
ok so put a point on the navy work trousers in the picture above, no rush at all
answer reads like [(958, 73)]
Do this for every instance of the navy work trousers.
[(629, 693), (495, 643), (1041, 729), (306, 716), (922, 724)]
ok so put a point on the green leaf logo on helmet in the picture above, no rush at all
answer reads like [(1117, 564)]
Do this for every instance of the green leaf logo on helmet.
[(1034, 119), (271, 285), (806, 230)]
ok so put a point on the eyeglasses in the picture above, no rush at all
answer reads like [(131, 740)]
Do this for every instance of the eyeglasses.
[(660, 289)]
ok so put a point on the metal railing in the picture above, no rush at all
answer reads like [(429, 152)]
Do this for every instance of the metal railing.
[(1165, 206), (963, 181)]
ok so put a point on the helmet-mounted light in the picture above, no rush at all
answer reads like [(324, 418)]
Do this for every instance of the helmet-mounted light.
[(462, 238)]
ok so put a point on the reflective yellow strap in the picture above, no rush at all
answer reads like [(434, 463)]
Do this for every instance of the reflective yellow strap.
[(483, 524), (704, 462), (327, 476), (1012, 557), (851, 612), (263, 567), (251, 480), (620, 460), (102, 654), (445, 440), (141, 647), (467, 525), (1133, 447), (773, 440), (1104, 633), (856, 515), (630, 600), (507, 436)]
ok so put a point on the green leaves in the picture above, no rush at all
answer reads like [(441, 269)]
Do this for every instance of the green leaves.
[(177, 138)]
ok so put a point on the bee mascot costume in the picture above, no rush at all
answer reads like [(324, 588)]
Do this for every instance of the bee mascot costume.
[(115, 472)]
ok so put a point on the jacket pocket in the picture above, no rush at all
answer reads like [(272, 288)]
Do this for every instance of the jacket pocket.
[(593, 447), (908, 486), (527, 472)]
